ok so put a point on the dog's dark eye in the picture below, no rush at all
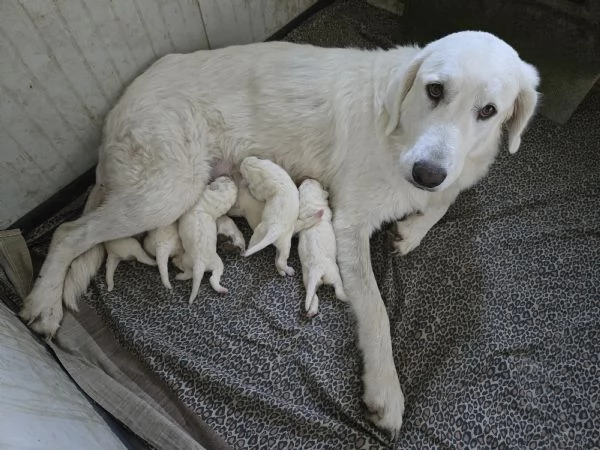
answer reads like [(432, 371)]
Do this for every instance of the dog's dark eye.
[(487, 111), (435, 91)]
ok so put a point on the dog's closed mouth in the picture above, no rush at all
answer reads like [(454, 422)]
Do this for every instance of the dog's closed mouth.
[(418, 186)]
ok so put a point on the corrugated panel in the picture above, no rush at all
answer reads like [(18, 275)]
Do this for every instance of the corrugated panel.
[(63, 64), (243, 21)]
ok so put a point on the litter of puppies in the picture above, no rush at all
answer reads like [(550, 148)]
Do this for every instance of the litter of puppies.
[(276, 210)]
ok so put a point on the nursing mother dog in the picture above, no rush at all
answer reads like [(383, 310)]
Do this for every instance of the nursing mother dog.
[(387, 133)]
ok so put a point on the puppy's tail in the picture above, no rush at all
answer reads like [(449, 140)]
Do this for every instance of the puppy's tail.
[(263, 237), (197, 274), (85, 266), (307, 222), (314, 278), (162, 260)]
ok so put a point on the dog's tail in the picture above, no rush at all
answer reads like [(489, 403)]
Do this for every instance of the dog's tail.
[(263, 237), (85, 266), (197, 274), (314, 278), (307, 222), (80, 274)]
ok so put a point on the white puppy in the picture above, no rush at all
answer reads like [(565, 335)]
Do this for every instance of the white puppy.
[(269, 183), (198, 232), (316, 246), (164, 243), (125, 249)]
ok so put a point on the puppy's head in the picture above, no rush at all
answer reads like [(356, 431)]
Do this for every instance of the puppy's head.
[(312, 197), (220, 195), (452, 103)]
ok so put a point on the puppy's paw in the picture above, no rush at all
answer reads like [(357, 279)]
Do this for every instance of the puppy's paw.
[(384, 399), (183, 276), (313, 308), (177, 262), (240, 244)]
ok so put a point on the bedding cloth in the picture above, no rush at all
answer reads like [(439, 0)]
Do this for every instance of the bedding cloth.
[(495, 322)]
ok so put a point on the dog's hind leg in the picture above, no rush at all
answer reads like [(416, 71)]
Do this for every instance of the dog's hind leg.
[(123, 213)]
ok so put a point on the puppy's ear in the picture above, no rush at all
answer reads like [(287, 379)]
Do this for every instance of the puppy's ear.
[(400, 82), (524, 108)]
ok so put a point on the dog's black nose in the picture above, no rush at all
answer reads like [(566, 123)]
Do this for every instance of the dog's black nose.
[(427, 174)]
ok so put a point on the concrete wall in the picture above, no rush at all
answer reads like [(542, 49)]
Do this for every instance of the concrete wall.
[(64, 63)]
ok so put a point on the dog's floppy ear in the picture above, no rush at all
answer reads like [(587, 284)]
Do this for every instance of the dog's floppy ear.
[(524, 107), (400, 82)]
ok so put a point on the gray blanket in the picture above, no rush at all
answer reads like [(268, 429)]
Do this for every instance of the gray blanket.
[(495, 321)]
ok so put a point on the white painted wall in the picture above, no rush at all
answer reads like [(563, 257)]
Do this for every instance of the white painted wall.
[(64, 63)]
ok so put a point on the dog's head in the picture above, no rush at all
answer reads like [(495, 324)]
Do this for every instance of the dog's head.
[(452, 103)]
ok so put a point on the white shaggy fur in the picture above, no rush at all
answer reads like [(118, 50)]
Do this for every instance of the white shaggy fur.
[(124, 249), (316, 246), (361, 135), (271, 184), (228, 228), (198, 232), (164, 243)]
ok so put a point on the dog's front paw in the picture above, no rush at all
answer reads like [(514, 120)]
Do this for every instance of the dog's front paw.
[(404, 238), (384, 399), (405, 246), (42, 314)]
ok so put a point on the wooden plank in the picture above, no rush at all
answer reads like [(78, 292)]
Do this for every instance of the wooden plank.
[(19, 181), (32, 73), (57, 41), (196, 38), (133, 32), (160, 35), (88, 43), (111, 35), (229, 22)]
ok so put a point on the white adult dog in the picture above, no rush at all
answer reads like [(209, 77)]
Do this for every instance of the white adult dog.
[(386, 132)]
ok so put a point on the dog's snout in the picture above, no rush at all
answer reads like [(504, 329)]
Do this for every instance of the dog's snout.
[(427, 174)]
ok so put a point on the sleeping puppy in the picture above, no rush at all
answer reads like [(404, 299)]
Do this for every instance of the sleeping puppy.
[(125, 249), (164, 243), (316, 246), (269, 183), (198, 232)]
